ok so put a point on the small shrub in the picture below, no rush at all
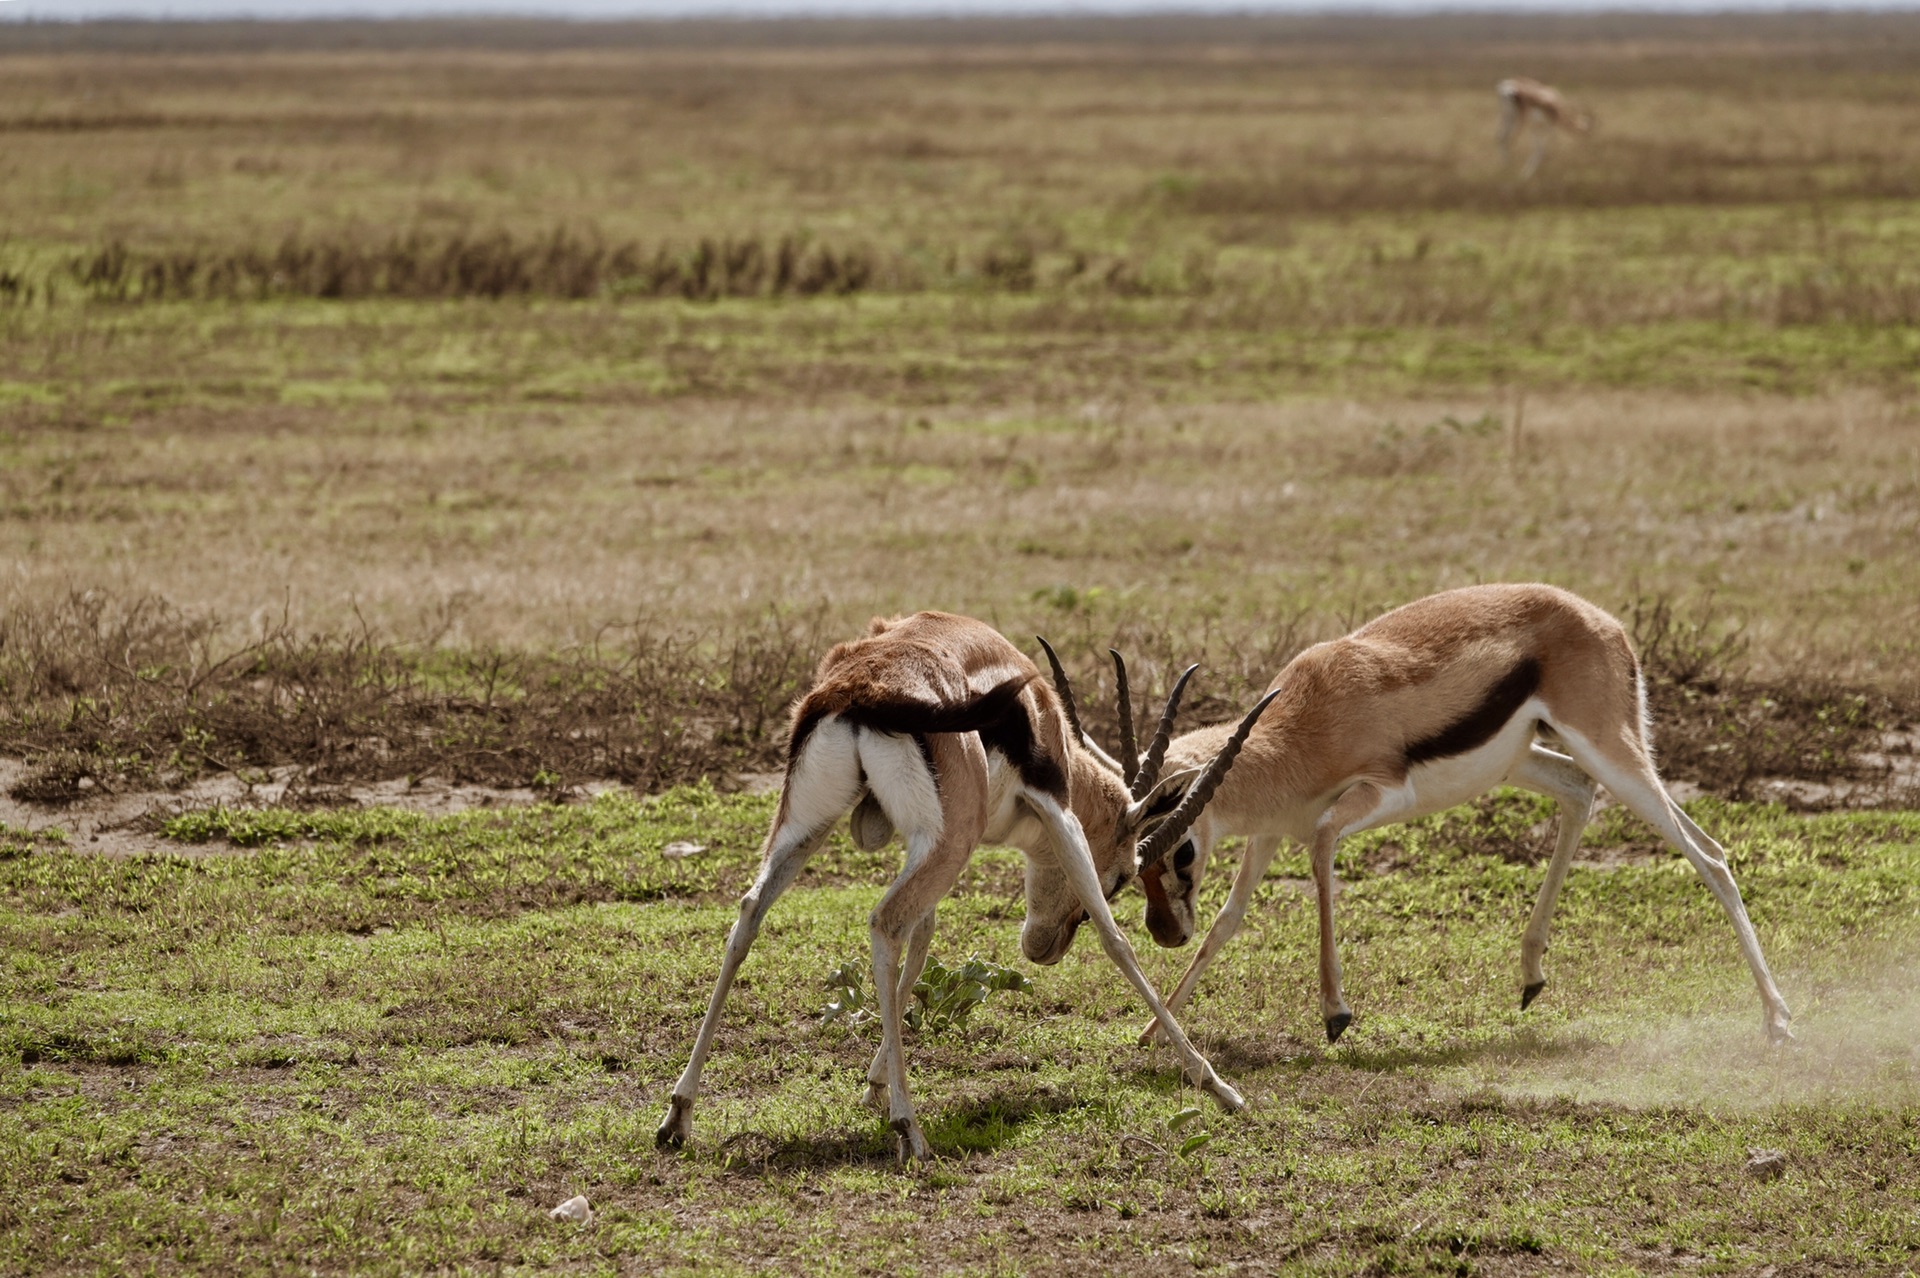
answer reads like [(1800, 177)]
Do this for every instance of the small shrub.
[(944, 998)]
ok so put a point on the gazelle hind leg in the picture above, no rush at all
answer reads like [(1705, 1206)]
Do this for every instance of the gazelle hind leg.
[(1634, 782), (919, 938), (1560, 779), (1777, 1015), (1253, 868), (941, 811), (933, 864), (787, 853), (821, 784)]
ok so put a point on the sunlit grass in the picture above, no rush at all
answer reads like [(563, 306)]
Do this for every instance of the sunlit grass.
[(328, 1049)]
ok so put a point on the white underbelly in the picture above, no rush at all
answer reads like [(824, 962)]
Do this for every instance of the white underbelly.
[(1439, 784)]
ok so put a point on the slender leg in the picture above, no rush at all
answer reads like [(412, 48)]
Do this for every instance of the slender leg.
[(1637, 785), (919, 938), (886, 977), (903, 917), (1226, 924), (788, 848), (942, 814), (1509, 119), (1710, 859), (1362, 806), (1561, 779), (823, 780), (1541, 132), (1076, 860)]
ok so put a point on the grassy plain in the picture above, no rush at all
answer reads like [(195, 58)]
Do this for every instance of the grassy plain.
[(387, 1043), (1174, 323), (1209, 337)]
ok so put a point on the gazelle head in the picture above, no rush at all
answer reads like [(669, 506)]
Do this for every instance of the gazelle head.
[(1133, 815)]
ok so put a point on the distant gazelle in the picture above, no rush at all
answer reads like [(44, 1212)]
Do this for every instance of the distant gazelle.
[(1528, 103), (935, 726), (1419, 710)]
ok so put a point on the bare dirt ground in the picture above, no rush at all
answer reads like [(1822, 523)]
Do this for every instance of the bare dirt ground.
[(125, 820)]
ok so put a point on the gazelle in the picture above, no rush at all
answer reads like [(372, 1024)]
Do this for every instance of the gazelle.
[(1525, 103), (1418, 710), (938, 727)]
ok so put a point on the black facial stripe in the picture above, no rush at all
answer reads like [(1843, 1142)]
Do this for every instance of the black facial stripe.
[(1480, 724)]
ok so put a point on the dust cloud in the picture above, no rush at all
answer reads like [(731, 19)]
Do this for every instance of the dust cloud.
[(1857, 1042)]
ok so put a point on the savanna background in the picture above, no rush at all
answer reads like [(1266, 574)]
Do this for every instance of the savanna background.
[(433, 454)]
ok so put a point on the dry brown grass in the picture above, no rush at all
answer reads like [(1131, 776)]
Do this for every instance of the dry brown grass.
[(929, 135), (100, 693), (1213, 345), (535, 524)]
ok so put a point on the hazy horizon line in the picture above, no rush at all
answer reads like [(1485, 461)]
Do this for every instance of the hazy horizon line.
[(671, 10)]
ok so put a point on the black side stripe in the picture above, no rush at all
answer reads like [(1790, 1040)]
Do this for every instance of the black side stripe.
[(905, 717), (1480, 724), (1012, 737)]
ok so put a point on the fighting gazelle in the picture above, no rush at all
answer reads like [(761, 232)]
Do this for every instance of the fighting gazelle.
[(936, 726), (1528, 103), (1419, 710)]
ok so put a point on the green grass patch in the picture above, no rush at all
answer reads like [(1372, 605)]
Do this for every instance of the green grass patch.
[(376, 1040)]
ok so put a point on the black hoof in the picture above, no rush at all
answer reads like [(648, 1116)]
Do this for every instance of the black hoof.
[(1530, 993), (1337, 1025), (672, 1132)]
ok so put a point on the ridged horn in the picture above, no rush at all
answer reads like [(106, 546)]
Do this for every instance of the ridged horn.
[(1063, 686), (1129, 748), (1157, 748), (1170, 831)]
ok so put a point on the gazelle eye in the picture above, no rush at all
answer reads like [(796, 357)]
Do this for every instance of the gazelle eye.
[(1184, 858)]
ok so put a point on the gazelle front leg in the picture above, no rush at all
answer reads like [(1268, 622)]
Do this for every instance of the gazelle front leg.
[(1076, 860), (1561, 779), (1226, 924), (1361, 806)]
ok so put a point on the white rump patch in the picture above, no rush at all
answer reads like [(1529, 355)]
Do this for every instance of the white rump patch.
[(898, 776), (825, 780)]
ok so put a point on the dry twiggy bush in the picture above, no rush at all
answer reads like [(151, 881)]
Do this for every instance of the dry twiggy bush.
[(98, 691)]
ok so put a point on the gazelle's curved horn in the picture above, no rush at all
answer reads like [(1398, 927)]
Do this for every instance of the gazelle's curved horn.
[(1063, 686), (1170, 831), (1157, 748), (1129, 748)]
